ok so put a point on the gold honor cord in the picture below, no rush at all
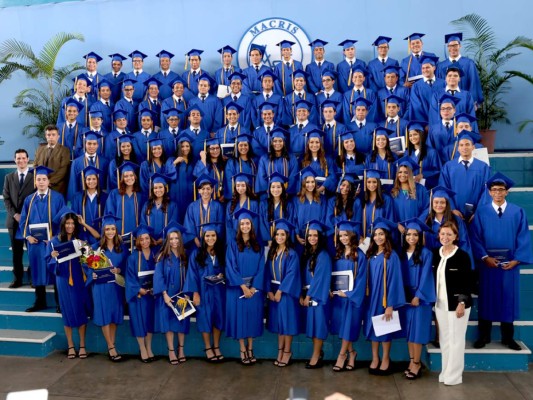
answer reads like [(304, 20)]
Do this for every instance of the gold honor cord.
[(83, 202), (384, 301), (279, 275), (136, 206), (364, 218), (176, 104), (351, 98), (49, 213)]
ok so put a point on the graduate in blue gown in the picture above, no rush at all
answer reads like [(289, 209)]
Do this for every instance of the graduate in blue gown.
[(392, 87), (284, 70), (89, 205), (210, 104), (316, 281), (196, 132), (41, 207), (180, 168), (420, 293), (70, 281), (138, 75), (144, 134), (81, 84), (243, 161), (165, 75), (349, 160), (360, 126), (330, 112), (385, 291), (104, 105), (232, 127), (204, 275), (345, 67), (203, 211), (314, 156), (125, 152), (382, 158), (463, 122), (256, 68), (128, 105), (359, 90), (212, 163), (328, 93), (425, 157), (246, 101), (423, 90), (301, 128), (70, 131), (152, 101), (127, 201), (116, 76), (375, 67), (348, 304), (318, 67), (276, 206), (169, 280), (169, 135), (191, 76), (278, 159), (267, 78), (96, 128), (261, 135), (179, 100), (283, 286), (395, 119), (159, 210), (243, 197), (108, 297), (245, 285), (222, 74), (410, 65), (376, 203), (139, 287), (499, 225), (153, 164), (410, 199), (289, 104), (443, 132)]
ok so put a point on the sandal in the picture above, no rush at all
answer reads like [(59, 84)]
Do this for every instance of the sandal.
[(350, 367), (245, 361), (251, 356), (411, 375), (220, 357), (336, 367), (212, 359), (282, 364), (71, 356), (181, 359), (84, 355), (173, 361), (116, 358), (407, 370), (277, 361)]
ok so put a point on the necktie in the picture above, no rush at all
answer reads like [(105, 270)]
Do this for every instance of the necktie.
[(203, 97), (41, 196), (328, 126), (91, 160), (300, 127), (300, 95), (136, 73), (21, 181), (115, 75), (320, 64), (358, 92), (154, 102), (48, 154), (351, 63), (288, 64), (91, 76), (195, 131), (165, 74), (146, 133), (235, 98), (383, 61), (417, 56), (268, 129), (360, 125), (227, 70), (174, 132), (267, 96), (257, 68), (327, 95), (466, 162), (193, 73), (430, 82), (447, 124), (107, 103), (452, 92), (500, 212), (232, 129), (391, 91), (130, 101), (391, 121), (69, 126), (454, 61)]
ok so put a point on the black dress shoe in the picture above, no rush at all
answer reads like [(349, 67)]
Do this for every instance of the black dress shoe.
[(479, 344), (317, 365), (15, 285), (35, 308), (58, 309), (512, 345)]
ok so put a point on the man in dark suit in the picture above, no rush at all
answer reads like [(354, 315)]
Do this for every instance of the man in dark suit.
[(56, 157), (17, 186)]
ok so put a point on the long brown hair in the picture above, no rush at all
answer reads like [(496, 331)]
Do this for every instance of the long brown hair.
[(350, 201), (340, 249), (151, 201), (117, 240), (321, 156), (387, 247), (398, 186), (122, 185), (252, 242), (301, 193), (165, 251)]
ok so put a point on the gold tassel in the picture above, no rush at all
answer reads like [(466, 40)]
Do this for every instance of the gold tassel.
[(70, 280), (384, 282)]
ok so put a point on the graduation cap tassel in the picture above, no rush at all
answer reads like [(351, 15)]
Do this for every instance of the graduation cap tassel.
[(384, 302), (70, 280), (194, 190), (454, 127), (83, 180), (186, 62)]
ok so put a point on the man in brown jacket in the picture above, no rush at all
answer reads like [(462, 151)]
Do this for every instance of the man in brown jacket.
[(56, 157)]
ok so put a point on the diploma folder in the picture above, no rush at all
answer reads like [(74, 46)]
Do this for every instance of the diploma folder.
[(384, 327), (67, 251), (214, 280), (146, 279), (503, 256), (341, 281), (104, 275), (40, 232), (179, 312)]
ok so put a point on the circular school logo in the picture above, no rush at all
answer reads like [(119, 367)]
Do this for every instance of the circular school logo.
[(269, 32)]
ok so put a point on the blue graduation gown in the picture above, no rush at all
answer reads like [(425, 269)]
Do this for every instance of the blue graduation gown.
[(198, 142), (211, 311), (410, 66), (465, 105), (399, 128), (273, 98), (232, 224), (213, 112), (499, 289), (140, 144), (244, 317), (146, 171), (155, 108), (395, 292), (192, 80), (430, 166), (108, 298), (141, 308), (387, 168), (384, 92), (69, 137), (261, 142), (420, 98), (140, 89), (221, 75), (107, 111), (178, 103), (77, 166), (169, 276), (252, 83), (287, 167), (354, 165), (79, 150), (287, 108), (470, 81), (165, 90), (235, 166), (181, 189), (335, 96), (468, 185), (319, 284), (376, 78), (333, 218), (110, 144), (328, 173), (283, 317), (298, 138), (406, 208), (115, 84), (370, 213), (348, 109), (363, 136), (348, 312), (213, 170), (284, 84), (419, 282), (314, 81), (344, 83), (73, 299), (169, 140), (36, 211), (90, 210), (331, 137), (131, 111), (127, 208), (306, 211), (227, 135), (159, 219), (265, 220), (83, 116), (246, 117), (439, 137), (196, 215), (93, 86)]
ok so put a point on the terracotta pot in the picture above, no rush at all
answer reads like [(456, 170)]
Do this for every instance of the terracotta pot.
[(488, 137)]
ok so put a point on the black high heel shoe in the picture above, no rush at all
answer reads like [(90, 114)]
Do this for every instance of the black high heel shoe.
[(282, 364), (350, 367), (277, 360), (181, 359), (173, 361), (411, 375), (374, 371), (245, 360), (116, 358), (337, 368)]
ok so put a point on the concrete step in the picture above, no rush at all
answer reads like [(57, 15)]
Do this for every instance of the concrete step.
[(494, 357), (517, 166), (27, 343), (23, 296)]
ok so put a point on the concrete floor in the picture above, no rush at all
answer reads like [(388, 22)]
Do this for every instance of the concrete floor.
[(98, 378)]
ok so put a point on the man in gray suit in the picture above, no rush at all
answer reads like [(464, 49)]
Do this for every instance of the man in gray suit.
[(17, 186)]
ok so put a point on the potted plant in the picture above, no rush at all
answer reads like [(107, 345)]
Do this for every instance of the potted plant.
[(480, 44), (50, 83)]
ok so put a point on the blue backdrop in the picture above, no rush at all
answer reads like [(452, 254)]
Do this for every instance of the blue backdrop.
[(178, 25)]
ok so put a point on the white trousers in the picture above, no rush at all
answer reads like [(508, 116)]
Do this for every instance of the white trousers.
[(452, 337)]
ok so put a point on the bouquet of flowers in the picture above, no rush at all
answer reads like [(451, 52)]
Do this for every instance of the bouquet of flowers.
[(100, 264)]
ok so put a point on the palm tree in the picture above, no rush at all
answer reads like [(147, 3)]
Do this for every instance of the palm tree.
[(40, 102)]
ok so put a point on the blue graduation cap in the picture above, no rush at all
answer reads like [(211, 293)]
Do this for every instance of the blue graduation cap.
[(82, 77), (61, 213), (330, 73), (279, 133), (91, 135), (96, 114), (329, 103), (234, 106), (285, 44), (282, 224), (314, 133), (210, 227), (427, 59), (185, 137), (373, 173), (381, 40), (277, 177), (244, 213), (90, 170), (383, 223), (348, 43), (464, 117), (416, 224), (349, 177), (455, 68), (244, 137), (237, 76), (415, 36), (258, 47), (146, 112), (204, 179), (119, 114), (173, 226), (214, 141), (267, 106), (451, 37), (303, 104), (418, 125), (127, 166), (391, 69), (93, 55), (266, 73), (104, 83), (317, 43), (154, 142), (164, 54), (177, 79), (441, 192), (243, 177), (382, 131), (206, 77), (315, 224), (117, 57), (448, 99), (143, 229), (349, 226), (72, 102), (346, 135), (194, 107), (137, 54), (108, 220), (128, 82), (474, 137), (362, 102), (359, 68), (152, 81), (408, 162), (124, 138), (172, 112), (500, 179), (194, 52), (306, 173), (393, 99), (299, 73), (227, 49), (158, 177)]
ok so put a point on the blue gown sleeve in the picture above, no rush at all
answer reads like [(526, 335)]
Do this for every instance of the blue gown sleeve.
[(358, 294), (320, 283), (159, 278), (233, 274), (131, 277), (395, 290), (291, 283), (426, 285), (192, 280)]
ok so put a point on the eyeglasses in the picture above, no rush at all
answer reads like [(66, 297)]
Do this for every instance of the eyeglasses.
[(453, 45), (128, 90), (498, 190), (446, 108)]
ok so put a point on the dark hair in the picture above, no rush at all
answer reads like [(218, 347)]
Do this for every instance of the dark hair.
[(235, 197), (165, 249), (447, 216), (122, 185), (354, 243), (163, 157), (252, 242), (270, 202), (417, 254), (63, 234), (453, 226), (250, 154), (321, 156), (274, 247), (284, 151), (423, 145), (387, 247), (138, 242), (21, 151), (388, 152), (380, 199), (202, 254), (117, 240), (151, 201), (341, 157), (310, 255), (119, 158), (341, 205), (51, 127)]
